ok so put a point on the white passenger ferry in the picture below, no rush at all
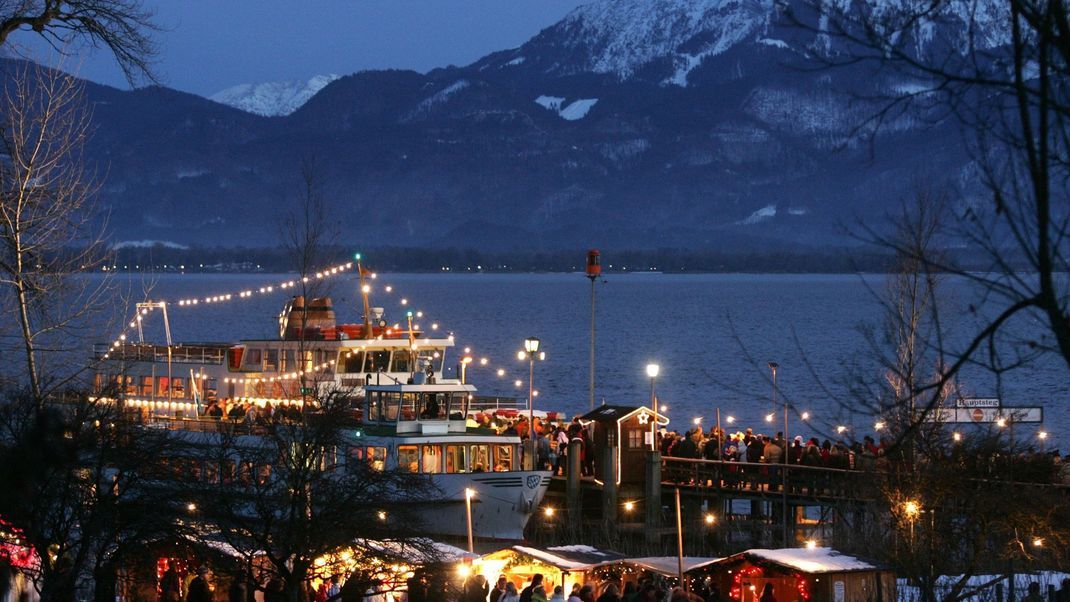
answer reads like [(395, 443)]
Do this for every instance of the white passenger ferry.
[(409, 416)]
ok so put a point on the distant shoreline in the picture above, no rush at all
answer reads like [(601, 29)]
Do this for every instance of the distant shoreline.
[(239, 260)]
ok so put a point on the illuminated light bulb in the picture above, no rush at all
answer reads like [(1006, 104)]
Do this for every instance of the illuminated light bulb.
[(629, 506), (878, 426), (501, 372), (520, 355), (1038, 542), (956, 437), (468, 350), (483, 361), (710, 519), (535, 393), (1002, 422), (381, 514), (1042, 435), (548, 511), (811, 544), (366, 289), (434, 326), (806, 415), (841, 429), (730, 419), (122, 337), (419, 314), (389, 289), (769, 417), (404, 301), (697, 420), (518, 383)]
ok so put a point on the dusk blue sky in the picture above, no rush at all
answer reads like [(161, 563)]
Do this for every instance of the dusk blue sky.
[(208, 45)]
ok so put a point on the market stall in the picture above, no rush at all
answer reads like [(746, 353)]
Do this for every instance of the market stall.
[(559, 565), (809, 574)]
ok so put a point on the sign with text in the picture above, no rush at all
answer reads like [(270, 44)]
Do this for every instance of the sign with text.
[(985, 414), (977, 402)]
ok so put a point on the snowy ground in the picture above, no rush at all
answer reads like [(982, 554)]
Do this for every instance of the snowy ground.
[(908, 593)]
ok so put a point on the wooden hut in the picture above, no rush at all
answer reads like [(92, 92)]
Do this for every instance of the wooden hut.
[(655, 568), (628, 428), (803, 575)]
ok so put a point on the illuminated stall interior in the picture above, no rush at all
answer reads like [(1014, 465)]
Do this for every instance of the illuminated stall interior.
[(654, 569), (559, 565)]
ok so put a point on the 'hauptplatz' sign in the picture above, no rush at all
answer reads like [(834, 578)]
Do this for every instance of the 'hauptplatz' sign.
[(984, 410)]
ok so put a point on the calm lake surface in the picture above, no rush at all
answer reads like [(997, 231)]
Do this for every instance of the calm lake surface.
[(712, 335)]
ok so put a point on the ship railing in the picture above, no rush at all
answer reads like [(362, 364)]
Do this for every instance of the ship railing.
[(483, 403), (203, 424), (180, 354)]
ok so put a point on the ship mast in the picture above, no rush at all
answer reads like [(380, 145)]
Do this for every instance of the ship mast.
[(365, 290)]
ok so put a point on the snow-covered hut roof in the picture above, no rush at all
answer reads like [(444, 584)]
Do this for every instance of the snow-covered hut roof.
[(570, 558), (813, 561)]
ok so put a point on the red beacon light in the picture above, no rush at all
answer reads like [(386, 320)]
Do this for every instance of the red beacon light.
[(594, 264)]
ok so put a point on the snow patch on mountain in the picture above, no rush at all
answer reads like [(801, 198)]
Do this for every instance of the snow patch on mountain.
[(551, 103), (272, 99), (513, 63), (577, 109), (765, 213), (442, 95)]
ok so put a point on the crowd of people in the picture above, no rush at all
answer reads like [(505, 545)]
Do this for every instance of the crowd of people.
[(537, 590)]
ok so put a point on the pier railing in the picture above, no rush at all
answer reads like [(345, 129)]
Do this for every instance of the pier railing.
[(811, 482), (762, 478)]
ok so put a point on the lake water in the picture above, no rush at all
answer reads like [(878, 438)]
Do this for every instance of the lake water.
[(712, 335)]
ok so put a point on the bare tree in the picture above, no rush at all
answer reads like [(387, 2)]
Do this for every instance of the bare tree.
[(48, 228), (124, 27), (78, 489), (997, 67), (294, 490)]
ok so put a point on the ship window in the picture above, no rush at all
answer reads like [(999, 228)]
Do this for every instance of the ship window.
[(391, 401), (230, 470), (271, 360), (375, 406), (455, 459), (98, 382), (146, 386), (377, 458), (308, 361), (211, 388), (408, 406), (503, 458), (375, 361), (401, 362), (253, 360), (130, 386), (408, 458), (431, 357), (480, 458), (351, 361), (459, 406), (287, 360), (432, 458), (163, 386), (432, 406), (179, 386)]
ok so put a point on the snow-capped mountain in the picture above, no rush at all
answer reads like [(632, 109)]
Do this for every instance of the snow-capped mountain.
[(272, 99), (630, 123)]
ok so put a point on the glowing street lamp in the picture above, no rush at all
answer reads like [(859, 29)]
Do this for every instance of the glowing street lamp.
[(652, 371), (531, 351)]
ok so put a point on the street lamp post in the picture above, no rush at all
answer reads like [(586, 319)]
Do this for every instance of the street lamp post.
[(468, 493), (531, 349), (787, 459), (652, 371)]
